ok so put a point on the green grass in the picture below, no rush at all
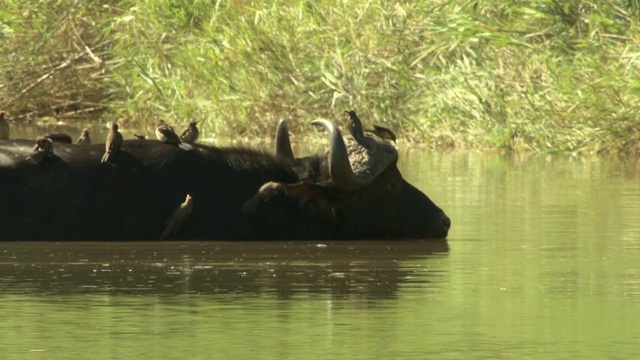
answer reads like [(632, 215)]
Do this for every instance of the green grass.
[(549, 76)]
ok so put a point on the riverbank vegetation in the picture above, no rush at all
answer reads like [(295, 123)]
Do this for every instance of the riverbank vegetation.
[(541, 75)]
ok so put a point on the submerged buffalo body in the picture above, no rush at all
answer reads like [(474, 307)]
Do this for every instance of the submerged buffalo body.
[(73, 196)]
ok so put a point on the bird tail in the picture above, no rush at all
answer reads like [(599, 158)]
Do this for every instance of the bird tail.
[(105, 157), (185, 146), (167, 231)]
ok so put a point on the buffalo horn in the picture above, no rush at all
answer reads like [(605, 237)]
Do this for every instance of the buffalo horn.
[(283, 145), (339, 167)]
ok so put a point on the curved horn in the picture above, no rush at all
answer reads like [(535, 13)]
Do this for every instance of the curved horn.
[(339, 167), (283, 145)]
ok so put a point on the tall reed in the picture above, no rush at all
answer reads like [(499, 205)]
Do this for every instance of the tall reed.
[(541, 75)]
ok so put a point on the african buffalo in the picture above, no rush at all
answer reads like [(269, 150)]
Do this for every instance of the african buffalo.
[(73, 196)]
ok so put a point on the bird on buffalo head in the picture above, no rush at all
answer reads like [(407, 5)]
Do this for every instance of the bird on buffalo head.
[(4, 127), (382, 133), (191, 134), (113, 143), (356, 129), (84, 138)]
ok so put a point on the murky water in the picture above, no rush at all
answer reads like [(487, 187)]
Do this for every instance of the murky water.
[(543, 261)]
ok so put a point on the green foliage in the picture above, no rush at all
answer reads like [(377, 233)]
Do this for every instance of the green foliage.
[(545, 75)]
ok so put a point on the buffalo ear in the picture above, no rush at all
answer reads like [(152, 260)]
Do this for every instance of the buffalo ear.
[(316, 199), (264, 193)]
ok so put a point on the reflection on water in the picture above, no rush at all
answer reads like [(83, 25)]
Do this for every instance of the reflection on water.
[(283, 270), (541, 262)]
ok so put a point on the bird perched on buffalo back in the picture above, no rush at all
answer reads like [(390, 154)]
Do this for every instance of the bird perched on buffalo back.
[(166, 134), (179, 217), (43, 149), (113, 143), (84, 138), (191, 134), (4, 127)]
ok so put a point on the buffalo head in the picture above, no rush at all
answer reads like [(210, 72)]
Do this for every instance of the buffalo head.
[(354, 191)]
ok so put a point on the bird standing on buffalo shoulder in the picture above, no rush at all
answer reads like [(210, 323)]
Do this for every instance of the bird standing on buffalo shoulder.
[(84, 138), (178, 218), (43, 149), (4, 127), (114, 142), (165, 133), (191, 134)]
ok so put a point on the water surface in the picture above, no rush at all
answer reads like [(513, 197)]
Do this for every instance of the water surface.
[(542, 262)]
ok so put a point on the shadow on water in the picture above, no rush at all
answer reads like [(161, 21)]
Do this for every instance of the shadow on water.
[(283, 270)]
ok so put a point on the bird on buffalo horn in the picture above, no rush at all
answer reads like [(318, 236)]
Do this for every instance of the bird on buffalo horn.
[(357, 131), (113, 143), (43, 149), (84, 138), (140, 137), (4, 127), (191, 134), (179, 217), (355, 125), (166, 134)]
